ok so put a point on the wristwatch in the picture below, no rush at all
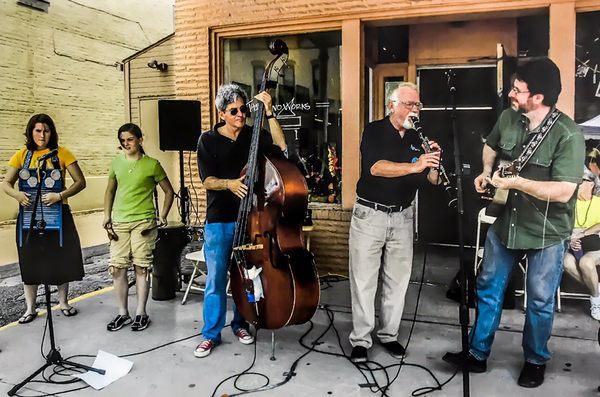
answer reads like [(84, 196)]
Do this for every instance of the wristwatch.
[(270, 116)]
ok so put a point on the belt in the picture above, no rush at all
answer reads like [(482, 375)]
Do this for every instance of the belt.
[(388, 209)]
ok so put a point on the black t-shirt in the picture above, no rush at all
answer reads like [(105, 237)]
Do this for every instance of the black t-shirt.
[(381, 141), (224, 158)]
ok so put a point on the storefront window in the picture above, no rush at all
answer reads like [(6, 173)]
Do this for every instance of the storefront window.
[(307, 102), (587, 74)]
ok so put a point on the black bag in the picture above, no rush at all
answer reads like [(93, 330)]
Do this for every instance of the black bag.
[(590, 243)]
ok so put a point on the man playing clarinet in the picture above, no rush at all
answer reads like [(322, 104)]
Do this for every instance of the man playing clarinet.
[(393, 166)]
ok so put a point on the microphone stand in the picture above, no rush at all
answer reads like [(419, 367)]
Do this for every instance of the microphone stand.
[(463, 309), (53, 357)]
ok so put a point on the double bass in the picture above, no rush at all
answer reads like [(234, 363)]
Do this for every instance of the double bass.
[(274, 281)]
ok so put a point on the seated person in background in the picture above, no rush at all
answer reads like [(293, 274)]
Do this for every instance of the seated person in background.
[(584, 253), (592, 158)]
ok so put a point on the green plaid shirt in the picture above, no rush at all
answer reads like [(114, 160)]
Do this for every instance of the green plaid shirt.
[(526, 222)]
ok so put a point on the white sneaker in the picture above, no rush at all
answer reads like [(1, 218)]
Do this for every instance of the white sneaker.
[(244, 336), (595, 307)]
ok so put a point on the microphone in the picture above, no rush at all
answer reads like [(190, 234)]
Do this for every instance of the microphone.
[(47, 155)]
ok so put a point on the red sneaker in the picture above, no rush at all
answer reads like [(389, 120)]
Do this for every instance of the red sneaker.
[(244, 336), (204, 348)]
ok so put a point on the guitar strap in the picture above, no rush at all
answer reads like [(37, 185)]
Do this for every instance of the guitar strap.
[(537, 140)]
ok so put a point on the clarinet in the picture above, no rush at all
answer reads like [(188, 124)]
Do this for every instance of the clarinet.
[(442, 175)]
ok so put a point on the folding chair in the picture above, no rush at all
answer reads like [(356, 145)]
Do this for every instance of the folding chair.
[(197, 257)]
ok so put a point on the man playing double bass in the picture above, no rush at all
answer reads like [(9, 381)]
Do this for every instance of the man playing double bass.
[(381, 230), (222, 154), (537, 219)]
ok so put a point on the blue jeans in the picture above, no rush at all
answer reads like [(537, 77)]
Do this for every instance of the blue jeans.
[(218, 241), (544, 272)]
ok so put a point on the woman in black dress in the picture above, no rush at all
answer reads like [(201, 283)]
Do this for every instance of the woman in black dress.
[(43, 257)]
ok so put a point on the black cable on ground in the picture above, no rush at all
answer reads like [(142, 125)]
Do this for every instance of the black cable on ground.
[(66, 370), (288, 376), (378, 367), (368, 370), (243, 373)]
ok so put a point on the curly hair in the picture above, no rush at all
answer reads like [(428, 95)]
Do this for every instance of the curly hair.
[(44, 119), (229, 93), (542, 77)]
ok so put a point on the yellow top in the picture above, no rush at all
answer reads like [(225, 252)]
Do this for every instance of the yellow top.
[(587, 213), (65, 158)]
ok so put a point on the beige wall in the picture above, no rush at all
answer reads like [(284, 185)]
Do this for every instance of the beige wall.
[(143, 82), (148, 121), (63, 63), (439, 43), (144, 87)]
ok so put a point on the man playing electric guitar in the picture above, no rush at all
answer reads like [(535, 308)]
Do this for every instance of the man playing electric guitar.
[(537, 219)]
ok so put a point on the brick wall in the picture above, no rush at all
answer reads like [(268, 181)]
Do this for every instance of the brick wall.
[(329, 239), (63, 63), (194, 21)]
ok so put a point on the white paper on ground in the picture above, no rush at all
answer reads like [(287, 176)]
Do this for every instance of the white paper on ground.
[(114, 366)]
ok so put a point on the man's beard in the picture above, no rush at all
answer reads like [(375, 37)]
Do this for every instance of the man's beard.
[(517, 107)]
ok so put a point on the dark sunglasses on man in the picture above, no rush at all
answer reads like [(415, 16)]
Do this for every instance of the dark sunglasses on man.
[(234, 111)]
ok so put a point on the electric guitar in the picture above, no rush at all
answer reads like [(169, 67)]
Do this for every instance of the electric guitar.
[(498, 197)]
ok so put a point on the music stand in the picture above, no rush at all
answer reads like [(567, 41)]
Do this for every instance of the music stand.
[(53, 357)]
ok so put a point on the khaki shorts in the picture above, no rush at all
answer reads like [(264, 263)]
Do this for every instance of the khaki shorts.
[(132, 247)]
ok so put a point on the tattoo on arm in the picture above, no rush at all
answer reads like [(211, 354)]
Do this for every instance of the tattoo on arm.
[(212, 183)]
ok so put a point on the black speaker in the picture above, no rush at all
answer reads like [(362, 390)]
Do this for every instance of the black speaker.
[(179, 124), (166, 270)]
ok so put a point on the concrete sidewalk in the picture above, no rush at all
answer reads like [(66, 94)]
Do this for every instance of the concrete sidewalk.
[(172, 370)]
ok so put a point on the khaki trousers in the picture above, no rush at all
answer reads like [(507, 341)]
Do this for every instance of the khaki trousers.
[(381, 245)]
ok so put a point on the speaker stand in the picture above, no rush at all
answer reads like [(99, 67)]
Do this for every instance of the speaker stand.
[(184, 207)]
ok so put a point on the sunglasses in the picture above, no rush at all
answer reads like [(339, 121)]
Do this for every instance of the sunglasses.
[(234, 111)]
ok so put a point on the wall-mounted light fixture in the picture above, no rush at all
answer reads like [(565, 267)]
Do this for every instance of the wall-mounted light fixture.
[(160, 66)]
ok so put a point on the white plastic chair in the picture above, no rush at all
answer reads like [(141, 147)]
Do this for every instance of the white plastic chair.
[(482, 218), (197, 257)]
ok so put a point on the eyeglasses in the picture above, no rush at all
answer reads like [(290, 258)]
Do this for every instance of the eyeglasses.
[(517, 91), (409, 105), (234, 111)]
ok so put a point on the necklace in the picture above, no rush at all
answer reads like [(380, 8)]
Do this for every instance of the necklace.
[(134, 165), (580, 224)]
